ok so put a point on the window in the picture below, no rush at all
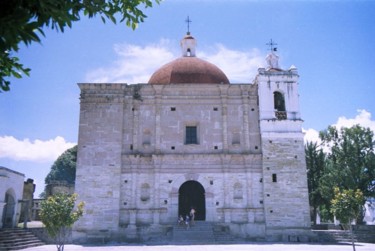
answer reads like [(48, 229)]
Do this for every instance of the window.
[(279, 106), (191, 135), (279, 102)]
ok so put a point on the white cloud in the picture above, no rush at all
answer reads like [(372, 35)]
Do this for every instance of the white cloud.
[(135, 64), (37, 150), (239, 66), (311, 135), (363, 118)]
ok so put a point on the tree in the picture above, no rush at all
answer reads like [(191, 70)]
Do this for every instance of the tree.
[(58, 215), (315, 161), (346, 206), (23, 21), (64, 168), (350, 160)]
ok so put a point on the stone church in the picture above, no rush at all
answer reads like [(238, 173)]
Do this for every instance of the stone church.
[(148, 153)]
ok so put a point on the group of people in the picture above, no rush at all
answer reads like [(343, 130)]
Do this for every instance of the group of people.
[(189, 219)]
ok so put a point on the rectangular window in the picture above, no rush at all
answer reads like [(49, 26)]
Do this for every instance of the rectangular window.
[(191, 135)]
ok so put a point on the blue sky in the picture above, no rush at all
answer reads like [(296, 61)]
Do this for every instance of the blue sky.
[(330, 42)]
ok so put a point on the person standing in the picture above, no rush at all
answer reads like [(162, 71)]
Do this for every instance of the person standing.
[(192, 215)]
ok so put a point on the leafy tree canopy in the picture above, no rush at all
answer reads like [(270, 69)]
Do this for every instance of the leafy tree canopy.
[(64, 168), (315, 162), (58, 215), (351, 159), (347, 206), (23, 21)]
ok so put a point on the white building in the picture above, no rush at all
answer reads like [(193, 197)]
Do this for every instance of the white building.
[(147, 153), (11, 192)]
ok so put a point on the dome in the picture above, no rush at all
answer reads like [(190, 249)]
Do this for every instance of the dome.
[(189, 70)]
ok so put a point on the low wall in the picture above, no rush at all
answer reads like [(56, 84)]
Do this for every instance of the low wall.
[(42, 234)]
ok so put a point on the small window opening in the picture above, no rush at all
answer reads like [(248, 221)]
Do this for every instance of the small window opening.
[(172, 147), (191, 135), (274, 177), (173, 109), (216, 109)]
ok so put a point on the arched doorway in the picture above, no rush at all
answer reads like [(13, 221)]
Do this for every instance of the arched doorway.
[(192, 194), (279, 101), (8, 211)]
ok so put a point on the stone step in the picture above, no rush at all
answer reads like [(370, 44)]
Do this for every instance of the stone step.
[(335, 236), (16, 239), (199, 233)]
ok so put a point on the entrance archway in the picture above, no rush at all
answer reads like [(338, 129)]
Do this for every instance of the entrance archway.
[(8, 211), (192, 194)]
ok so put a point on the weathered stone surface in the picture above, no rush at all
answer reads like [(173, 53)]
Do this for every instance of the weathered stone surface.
[(133, 159)]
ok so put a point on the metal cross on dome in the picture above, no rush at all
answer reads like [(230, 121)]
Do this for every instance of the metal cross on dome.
[(272, 45), (188, 21)]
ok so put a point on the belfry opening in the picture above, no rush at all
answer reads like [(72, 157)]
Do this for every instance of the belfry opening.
[(192, 195)]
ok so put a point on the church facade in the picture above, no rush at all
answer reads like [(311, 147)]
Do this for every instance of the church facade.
[(148, 153)]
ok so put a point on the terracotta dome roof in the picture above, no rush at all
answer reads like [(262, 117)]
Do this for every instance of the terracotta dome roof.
[(190, 70)]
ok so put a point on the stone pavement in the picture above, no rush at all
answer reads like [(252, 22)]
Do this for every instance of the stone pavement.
[(232, 247)]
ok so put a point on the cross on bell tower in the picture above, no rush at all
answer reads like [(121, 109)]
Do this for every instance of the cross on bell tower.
[(272, 59), (272, 45)]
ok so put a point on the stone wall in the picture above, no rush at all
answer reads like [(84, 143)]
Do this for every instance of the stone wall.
[(99, 156), (133, 161), (285, 187)]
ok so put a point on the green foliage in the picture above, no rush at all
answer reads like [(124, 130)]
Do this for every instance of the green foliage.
[(348, 163), (64, 168), (315, 162), (10, 67), (351, 160), (58, 215), (23, 21), (347, 204)]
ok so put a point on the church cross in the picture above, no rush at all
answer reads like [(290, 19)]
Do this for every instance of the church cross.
[(272, 45), (188, 21)]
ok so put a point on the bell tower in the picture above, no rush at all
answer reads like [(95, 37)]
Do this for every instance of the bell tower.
[(188, 43), (286, 204)]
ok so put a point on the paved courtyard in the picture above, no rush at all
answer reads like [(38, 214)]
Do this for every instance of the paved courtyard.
[(232, 247)]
